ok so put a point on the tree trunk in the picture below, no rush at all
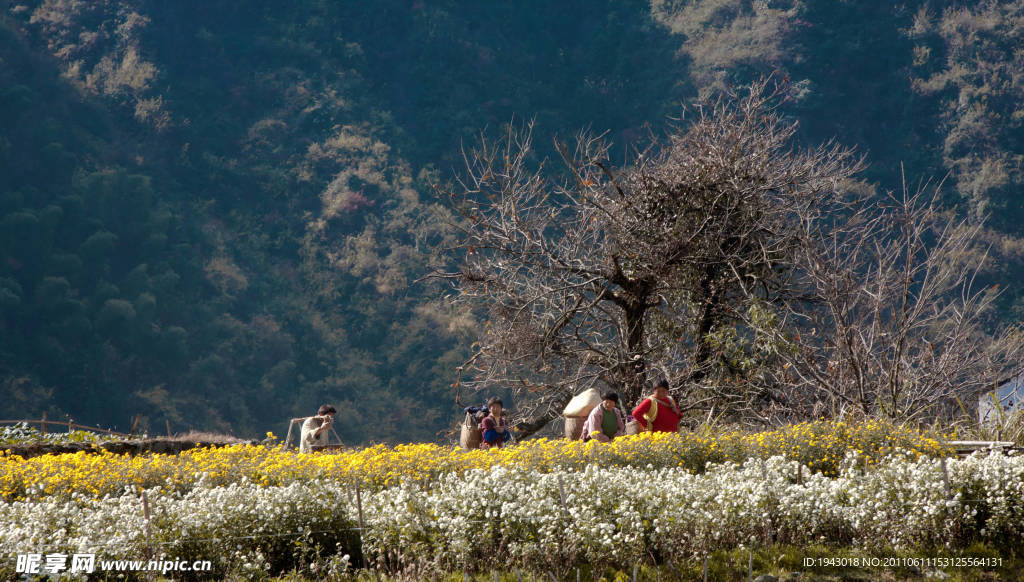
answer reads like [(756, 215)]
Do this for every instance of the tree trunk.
[(705, 323), (526, 428), (635, 371)]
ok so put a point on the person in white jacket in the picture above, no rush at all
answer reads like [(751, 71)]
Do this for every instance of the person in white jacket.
[(316, 429)]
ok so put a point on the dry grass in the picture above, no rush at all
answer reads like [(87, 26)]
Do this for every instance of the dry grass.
[(194, 436)]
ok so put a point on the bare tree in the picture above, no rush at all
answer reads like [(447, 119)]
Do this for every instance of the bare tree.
[(897, 327), (608, 274)]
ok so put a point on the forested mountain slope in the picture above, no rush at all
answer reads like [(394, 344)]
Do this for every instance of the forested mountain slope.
[(213, 214)]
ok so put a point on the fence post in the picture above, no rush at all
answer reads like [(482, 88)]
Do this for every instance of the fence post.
[(769, 533), (362, 529), (149, 532), (945, 479), (674, 571), (42, 423), (359, 507)]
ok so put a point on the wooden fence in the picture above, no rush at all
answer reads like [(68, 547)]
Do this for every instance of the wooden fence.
[(70, 425), (964, 448)]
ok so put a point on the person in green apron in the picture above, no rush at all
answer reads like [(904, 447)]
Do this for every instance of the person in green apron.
[(604, 422)]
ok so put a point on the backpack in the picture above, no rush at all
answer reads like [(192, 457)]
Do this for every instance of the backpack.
[(470, 437)]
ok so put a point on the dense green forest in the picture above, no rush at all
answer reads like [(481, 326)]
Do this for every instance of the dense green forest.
[(214, 214)]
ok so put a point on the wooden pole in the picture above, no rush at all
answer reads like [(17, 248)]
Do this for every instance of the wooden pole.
[(674, 571), (42, 423), (563, 498), (168, 423), (336, 434), (288, 437), (149, 533), (945, 478), (359, 507)]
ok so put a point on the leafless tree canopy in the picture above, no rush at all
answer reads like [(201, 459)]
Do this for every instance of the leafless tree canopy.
[(898, 326), (709, 260)]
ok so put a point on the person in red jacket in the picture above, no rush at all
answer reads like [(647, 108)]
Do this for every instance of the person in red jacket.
[(659, 411)]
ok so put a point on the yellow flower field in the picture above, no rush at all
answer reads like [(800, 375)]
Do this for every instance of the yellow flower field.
[(819, 445)]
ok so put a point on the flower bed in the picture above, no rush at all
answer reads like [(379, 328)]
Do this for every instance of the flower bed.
[(818, 446), (539, 505), (502, 517)]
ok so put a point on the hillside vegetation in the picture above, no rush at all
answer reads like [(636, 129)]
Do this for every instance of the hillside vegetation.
[(214, 215)]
